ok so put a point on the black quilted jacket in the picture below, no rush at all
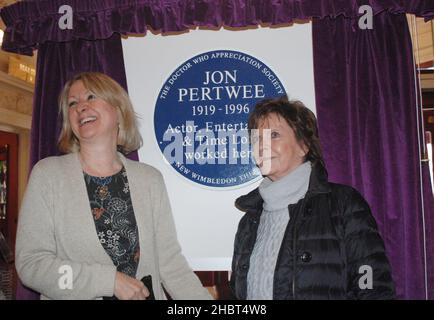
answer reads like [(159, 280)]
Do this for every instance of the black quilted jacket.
[(330, 239)]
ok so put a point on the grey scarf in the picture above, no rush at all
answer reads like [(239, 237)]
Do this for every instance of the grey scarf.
[(287, 190), (277, 196)]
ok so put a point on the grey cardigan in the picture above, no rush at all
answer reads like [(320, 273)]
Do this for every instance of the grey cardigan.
[(56, 229)]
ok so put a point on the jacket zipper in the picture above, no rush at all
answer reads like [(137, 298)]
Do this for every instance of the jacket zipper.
[(294, 246), (279, 256)]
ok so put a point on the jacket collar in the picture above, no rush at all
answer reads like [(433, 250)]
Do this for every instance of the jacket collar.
[(318, 183)]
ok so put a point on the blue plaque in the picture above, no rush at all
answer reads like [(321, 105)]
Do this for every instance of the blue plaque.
[(201, 116)]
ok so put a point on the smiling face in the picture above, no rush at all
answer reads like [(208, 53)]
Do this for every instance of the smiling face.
[(276, 149), (92, 119)]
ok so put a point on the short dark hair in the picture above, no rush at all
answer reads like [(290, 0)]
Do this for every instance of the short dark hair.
[(300, 118)]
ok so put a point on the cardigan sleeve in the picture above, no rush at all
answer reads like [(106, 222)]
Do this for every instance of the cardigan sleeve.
[(37, 264), (178, 278), (368, 269)]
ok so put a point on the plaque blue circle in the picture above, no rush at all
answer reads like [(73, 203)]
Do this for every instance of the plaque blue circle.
[(202, 110)]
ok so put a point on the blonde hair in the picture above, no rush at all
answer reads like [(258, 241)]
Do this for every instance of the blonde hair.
[(110, 91)]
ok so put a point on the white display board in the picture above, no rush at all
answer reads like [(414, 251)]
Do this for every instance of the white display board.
[(205, 217)]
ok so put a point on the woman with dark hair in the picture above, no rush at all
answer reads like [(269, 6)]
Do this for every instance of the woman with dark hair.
[(303, 237)]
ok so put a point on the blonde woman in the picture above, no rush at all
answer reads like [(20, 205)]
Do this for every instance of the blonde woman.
[(93, 223)]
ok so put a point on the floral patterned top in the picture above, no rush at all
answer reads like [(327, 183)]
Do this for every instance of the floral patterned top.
[(114, 218)]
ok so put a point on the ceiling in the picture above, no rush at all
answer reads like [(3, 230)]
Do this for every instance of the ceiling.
[(4, 3)]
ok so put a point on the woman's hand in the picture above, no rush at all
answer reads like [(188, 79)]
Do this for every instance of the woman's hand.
[(128, 288)]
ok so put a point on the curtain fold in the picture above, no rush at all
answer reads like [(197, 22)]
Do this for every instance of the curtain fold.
[(366, 106), (57, 63), (429, 227), (31, 23)]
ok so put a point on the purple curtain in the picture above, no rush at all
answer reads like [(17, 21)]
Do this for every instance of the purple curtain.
[(57, 62), (366, 106), (30, 23), (429, 227)]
